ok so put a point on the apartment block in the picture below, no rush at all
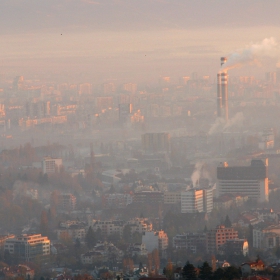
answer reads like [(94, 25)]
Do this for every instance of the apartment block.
[(28, 247)]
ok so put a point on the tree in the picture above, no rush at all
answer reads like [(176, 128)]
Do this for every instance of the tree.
[(156, 260), (90, 238), (169, 270), (232, 272), (227, 222), (205, 271), (218, 274), (189, 272)]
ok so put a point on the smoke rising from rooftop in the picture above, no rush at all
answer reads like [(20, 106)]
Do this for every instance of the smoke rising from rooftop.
[(221, 125), (251, 55)]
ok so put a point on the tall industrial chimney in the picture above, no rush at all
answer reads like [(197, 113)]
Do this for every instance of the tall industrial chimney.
[(222, 92)]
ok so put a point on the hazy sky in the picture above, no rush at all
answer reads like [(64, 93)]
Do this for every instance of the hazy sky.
[(132, 40)]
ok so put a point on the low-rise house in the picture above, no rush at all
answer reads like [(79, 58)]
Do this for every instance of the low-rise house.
[(16, 271), (249, 267), (73, 229), (137, 249)]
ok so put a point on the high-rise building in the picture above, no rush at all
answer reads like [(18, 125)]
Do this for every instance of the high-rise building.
[(197, 200), (251, 181), (28, 247), (192, 201)]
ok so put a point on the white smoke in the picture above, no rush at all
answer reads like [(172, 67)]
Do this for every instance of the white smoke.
[(220, 125), (199, 172), (251, 54)]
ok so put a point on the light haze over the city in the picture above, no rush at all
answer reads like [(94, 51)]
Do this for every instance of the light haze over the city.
[(139, 40)]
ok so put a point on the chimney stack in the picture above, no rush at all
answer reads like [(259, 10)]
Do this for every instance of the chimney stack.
[(222, 92)]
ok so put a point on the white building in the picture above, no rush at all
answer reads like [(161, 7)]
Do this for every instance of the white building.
[(192, 201), (51, 165), (28, 247), (208, 200)]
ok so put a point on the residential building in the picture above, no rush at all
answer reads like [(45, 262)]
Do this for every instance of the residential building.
[(250, 267), (51, 165), (28, 247), (266, 237), (108, 227), (116, 200), (137, 249), (195, 242), (172, 197), (74, 229), (234, 247), (140, 225), (156, 142), (148, 197), (217, 237), (66, 202), (251, 181)]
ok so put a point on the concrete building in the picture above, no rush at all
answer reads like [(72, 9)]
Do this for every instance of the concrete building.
[(197, 200), (148, 197), (192, 201), (172, 197), (28, 247), (235, 247), (155, 240), (217, 237), (66, 201), (251, 181), (195, 242), (125, 110), (140, 225), (74, 229), (266, 237), (116, 200), (156, 142), (208, 199), (51, 165), (108, 227)]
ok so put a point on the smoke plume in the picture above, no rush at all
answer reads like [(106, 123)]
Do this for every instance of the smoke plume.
[(197, 173), (220, 125), (251, 55), (200, 172)]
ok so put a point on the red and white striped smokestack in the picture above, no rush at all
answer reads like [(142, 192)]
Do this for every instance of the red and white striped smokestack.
[(219, 96), (222, 92), (224, 89)]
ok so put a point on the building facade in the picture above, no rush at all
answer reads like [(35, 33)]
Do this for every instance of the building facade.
[(217, 237), (28, 247), (51, 165), (251, 181)]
